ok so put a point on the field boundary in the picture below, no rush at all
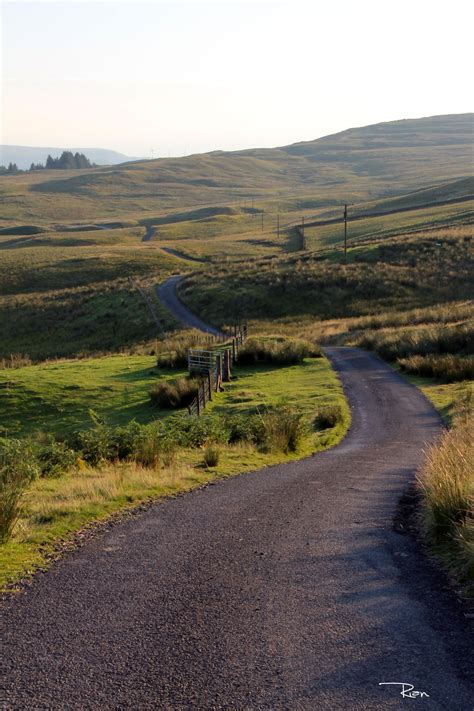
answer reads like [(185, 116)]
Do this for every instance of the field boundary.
[(214, 367)]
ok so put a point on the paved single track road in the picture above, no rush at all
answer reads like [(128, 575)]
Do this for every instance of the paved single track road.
[(285, 588), (166, 293)]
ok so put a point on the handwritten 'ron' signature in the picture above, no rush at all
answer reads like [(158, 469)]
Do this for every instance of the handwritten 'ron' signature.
[(408, 690)]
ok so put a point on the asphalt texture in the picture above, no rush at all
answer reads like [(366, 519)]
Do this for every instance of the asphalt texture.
[(149, 233), (166, 293), (285, 588)]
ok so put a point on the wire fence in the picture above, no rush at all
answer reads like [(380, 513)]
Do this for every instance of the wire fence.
[(214, 367)]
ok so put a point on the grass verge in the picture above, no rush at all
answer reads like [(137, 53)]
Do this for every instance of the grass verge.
[(53, 509), (446, 483)]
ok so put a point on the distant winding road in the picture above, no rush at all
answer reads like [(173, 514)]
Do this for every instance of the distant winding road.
[(166, 293), (150, 232)]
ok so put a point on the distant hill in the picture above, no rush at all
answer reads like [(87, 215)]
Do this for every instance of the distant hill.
[(357, 165), (24, 156)]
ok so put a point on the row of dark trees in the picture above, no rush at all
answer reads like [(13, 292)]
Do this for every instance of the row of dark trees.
[(66, 161), (12, 168)]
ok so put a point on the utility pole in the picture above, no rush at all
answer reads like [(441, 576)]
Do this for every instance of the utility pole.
[(278, 226), (345, 233), (303, 240)]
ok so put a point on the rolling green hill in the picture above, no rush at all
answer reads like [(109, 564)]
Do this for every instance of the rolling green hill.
[(69, 240), (358, 164)]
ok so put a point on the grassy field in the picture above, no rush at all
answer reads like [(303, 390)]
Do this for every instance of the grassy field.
[(66, 295), (54, 508), (56, 397), (392, 225), (407, 272)]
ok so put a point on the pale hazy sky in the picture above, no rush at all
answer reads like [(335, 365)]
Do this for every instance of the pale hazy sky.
[(184, 77)]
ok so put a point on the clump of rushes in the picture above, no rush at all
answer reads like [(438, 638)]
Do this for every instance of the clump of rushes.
[(172, 352), (211, 456), (447, 488), (449, 368), (435, 340), (283, 429), (278, 351), (327, 416), (174, 393), (18, 467)]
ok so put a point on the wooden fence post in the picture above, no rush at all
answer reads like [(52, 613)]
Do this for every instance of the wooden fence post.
[(218, 371), (209, 384), (226, 375)]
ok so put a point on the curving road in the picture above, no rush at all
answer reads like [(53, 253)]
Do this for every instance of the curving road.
[(285, 588), (149, 233), (167, 295)]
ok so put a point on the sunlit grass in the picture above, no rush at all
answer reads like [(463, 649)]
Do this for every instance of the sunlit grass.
[(447, 486), (56, 507)]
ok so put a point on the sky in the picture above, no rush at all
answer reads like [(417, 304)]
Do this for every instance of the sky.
[(172, 78)]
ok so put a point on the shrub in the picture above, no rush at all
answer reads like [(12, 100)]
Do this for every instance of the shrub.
[(278, 351), (327, 416), (211, 456), (173, 359), (198, 431), (173, 352), (244, 428), (155, 446), (283, 429), (126, 440), (96, 444), (55, 458), (174, 393), (449, 368), (148, 451), (18, 467)]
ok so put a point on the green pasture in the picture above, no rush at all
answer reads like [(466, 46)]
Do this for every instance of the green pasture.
[(57, 397)]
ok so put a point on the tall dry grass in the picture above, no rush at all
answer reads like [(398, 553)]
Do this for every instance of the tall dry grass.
[(174, 393), (277, 351), (447, 487), (94, 492), (449, 368)]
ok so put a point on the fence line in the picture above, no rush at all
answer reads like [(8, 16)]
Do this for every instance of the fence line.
[(214, 367), (147, 301)]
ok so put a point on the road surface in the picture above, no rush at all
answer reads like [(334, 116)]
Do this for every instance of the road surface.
[(285, 588), (167, 295)]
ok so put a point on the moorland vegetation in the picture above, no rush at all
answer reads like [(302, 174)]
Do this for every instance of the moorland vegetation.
[(81, 248)]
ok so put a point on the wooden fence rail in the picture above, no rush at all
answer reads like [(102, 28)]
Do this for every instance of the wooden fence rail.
[(213, 366)]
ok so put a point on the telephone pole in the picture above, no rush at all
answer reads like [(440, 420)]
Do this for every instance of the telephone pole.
[(303, 240), (345, 233)]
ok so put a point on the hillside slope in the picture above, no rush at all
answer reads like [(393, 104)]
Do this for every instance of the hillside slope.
[(358, 164)]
